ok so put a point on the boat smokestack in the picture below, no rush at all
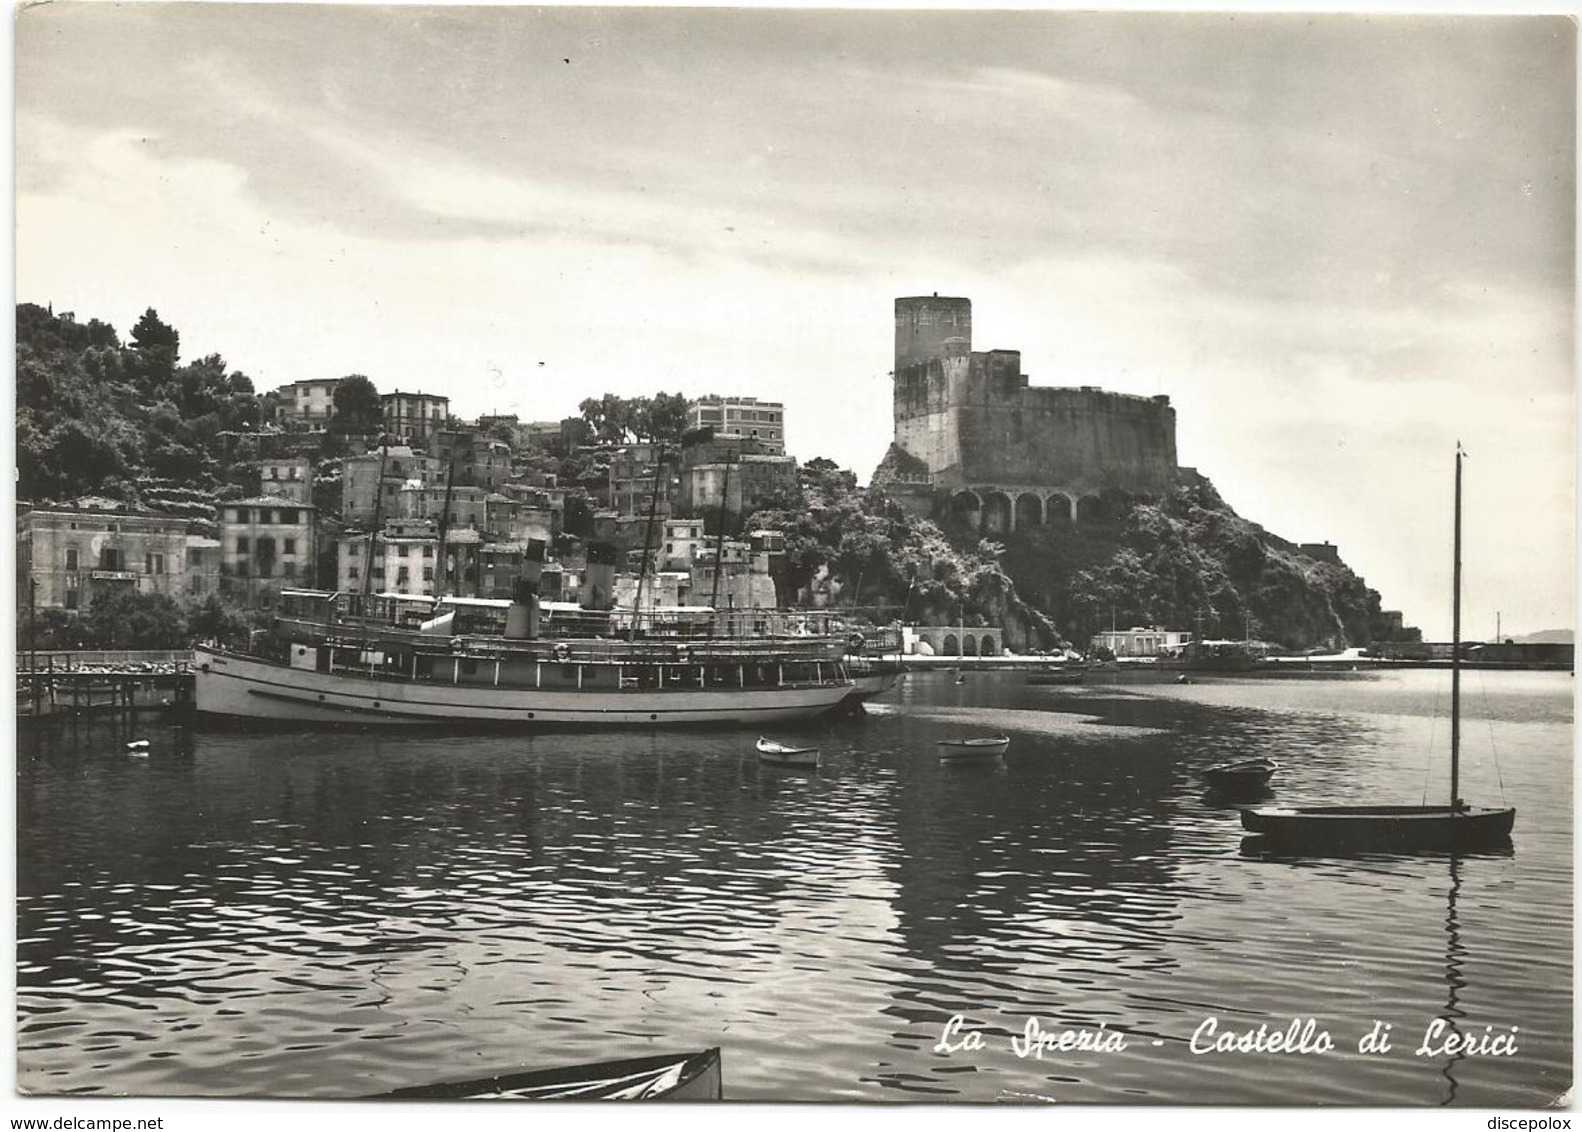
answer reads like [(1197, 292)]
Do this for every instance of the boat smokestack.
[(598, 580), (521, 616)]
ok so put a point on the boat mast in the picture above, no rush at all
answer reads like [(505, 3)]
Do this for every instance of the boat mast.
[(648, 540), (719, 546), (1455, 654), (444, 526), (373, 531)]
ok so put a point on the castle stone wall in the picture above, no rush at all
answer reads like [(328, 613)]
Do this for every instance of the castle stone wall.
[(973, 419)]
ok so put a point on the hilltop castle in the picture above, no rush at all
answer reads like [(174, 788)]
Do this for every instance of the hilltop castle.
[(972, 436)]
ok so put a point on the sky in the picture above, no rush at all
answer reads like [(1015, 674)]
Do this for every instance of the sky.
[(1339, 243)]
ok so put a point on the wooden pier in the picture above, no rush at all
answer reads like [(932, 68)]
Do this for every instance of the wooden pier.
[(57, 686)]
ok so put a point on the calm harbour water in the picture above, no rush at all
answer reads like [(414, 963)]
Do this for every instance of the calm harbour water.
[(333, 915)]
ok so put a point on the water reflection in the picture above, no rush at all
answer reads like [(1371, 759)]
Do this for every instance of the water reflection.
[(292, 914)]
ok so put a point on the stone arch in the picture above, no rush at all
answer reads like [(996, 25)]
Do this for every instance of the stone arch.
[(1029, 511), (966, 507), (997, 515), (949, 646), (988, 647), (1090, 508), (1058, 507), (969, 645)]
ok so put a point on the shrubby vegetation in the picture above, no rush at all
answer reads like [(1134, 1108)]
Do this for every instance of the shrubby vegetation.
[(95, 414)]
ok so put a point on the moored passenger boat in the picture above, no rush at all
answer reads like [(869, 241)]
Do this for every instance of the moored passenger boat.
[(527, 664)]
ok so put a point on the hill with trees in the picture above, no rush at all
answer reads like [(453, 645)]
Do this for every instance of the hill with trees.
[(131, 421), (96, 415)]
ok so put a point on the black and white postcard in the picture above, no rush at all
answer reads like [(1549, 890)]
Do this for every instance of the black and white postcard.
[(844, 556)]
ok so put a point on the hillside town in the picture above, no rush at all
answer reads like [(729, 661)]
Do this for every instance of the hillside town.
[(428, 503)]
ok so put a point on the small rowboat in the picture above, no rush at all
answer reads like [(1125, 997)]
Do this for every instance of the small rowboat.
[(781, 755), (1072, 675), (1247, 775), (990, 747), (672, 1077)]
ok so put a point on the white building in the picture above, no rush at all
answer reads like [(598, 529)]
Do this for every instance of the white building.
[(1142, 641), (741, 416)]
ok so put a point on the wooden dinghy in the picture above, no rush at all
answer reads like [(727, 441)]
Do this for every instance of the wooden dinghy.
[(1246, 777), (782, 755), (989, 747), (670, 1077)]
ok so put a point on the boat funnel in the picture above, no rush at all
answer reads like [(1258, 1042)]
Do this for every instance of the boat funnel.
[(533, 563), (521, 616), (598, 580)]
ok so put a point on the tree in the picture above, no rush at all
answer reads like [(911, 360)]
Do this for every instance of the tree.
[(151, 333), (152, 360), (126, 619), (610, 418), (662, 417), (358, 409), (215, 620)]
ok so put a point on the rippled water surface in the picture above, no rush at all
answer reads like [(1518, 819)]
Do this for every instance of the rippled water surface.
[(300, 914)]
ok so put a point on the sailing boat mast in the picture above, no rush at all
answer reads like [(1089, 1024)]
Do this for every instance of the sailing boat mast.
[(373, 530), (719, 547), (1455, 654), (648, 540), (444, 527)]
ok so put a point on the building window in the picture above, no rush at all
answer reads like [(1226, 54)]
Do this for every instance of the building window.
[(428, 573), (288, 517), (291, 546), (403, 575), (239, 515), (71, 558), (351, 572), (428, 552), (241, 544), (401, 550), (71, 599), (354, 549)]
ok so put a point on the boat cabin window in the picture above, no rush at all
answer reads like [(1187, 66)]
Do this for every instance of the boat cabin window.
[(683, 675)]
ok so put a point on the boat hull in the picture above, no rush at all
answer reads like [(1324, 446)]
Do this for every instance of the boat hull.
[(231, 686), (796, 758), (690, 1077), (1345, 827), (962, 751), (1241, 778)]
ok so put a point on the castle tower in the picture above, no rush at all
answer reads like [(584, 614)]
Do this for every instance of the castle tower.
[(922, 325)]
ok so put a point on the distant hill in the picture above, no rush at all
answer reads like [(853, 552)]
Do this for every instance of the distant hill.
[(1547, 637)]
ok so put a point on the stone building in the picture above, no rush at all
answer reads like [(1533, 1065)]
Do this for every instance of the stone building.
[(399, 464), (266, 545), (682, 539), (735, 473), (475, 459), (953, 640), (633, 478), (973, 438), (413, 418), (288, 477), (307, 405), (71, 553), (743, 579), (763, 421)]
